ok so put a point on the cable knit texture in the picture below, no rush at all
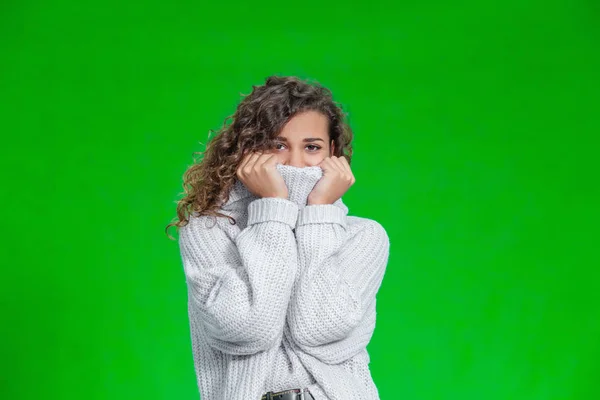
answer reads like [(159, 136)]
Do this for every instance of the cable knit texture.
[(285, 298)]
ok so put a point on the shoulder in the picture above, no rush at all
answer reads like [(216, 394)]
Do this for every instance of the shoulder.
[(364, 223), (203, 228), (368, 229)]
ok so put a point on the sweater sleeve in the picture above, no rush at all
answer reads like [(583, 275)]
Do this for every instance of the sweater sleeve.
[(240, 289), (340, 272)]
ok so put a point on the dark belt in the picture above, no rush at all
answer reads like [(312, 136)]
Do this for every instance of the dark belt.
[(290, 394)]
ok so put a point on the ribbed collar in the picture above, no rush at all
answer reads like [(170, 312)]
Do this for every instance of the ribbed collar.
[(300, 182)]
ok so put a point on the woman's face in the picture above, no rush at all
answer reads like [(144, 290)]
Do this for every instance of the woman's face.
[(304, 140)]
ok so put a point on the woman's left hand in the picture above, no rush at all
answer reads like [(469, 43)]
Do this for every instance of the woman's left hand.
[(337, 179)]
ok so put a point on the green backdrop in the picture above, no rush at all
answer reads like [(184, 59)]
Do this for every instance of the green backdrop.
[(476, 147)]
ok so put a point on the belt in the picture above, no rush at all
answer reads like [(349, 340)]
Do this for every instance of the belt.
[(290, 394)]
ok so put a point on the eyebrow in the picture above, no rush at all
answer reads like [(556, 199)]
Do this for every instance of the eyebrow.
[(310, 139)]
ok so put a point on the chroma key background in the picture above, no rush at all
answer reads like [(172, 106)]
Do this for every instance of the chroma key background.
[(476, 127)]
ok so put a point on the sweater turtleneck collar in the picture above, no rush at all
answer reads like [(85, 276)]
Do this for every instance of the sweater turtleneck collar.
[(299, 181)]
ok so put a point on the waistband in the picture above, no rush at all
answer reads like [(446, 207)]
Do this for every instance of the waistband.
[(290, 394)]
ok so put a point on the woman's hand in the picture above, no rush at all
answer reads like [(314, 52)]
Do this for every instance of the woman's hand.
[(337, 179), (258, 173)]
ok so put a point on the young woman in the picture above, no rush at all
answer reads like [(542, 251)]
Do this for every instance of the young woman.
[(281, 281)]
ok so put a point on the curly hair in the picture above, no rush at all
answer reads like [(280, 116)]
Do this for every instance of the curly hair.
[(257, 121)]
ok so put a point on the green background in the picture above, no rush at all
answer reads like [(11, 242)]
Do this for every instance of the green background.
[(476, 147)]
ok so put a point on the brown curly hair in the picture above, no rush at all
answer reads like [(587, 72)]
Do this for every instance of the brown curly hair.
[(257, 121)]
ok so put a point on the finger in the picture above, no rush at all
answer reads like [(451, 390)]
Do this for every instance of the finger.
[(348, 169), (271, 161), (345, 164), (337, 165), (345, 173), (329, 164), (242, 163), (261, 160), (337, 162), (325, 164), (247, 154), (250, 164)]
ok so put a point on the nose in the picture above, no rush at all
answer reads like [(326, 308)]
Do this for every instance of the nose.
[(296, 159)]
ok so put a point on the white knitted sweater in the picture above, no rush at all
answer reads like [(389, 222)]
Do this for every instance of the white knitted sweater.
[(285, 298)]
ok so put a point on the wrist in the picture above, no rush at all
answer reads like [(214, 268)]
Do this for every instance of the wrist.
[(280, 195), (314, 202), (318, 203)]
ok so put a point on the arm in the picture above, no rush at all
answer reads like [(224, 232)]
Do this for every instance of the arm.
[(341, 270), (240, 289)]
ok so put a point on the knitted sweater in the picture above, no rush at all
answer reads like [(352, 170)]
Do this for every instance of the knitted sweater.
[(284, 298)]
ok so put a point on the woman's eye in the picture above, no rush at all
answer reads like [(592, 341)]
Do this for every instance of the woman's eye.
[(314, 148), (277, 145)]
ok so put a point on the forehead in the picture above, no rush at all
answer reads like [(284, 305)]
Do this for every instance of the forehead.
[(308, 123)]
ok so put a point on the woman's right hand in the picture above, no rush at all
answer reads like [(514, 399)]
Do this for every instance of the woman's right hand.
[(258, 173)]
